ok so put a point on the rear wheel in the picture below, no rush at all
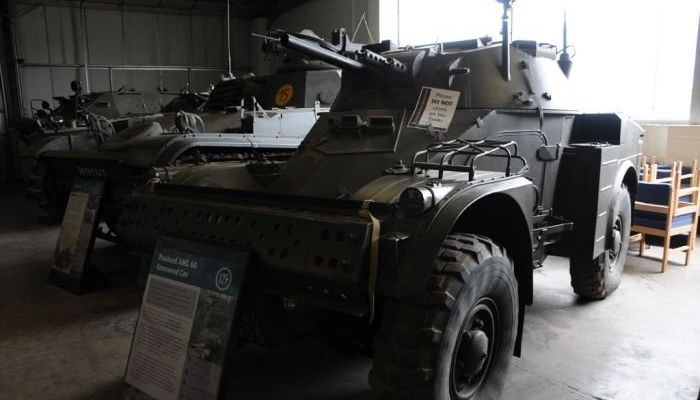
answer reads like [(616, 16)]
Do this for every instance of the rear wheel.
[(456, 341), (597, 279)]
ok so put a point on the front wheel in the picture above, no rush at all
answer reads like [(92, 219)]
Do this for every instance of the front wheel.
[(598, 278), (456, 341)]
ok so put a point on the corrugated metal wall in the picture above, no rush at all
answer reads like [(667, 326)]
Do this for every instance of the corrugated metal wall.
[(323, 16), (52, 35)]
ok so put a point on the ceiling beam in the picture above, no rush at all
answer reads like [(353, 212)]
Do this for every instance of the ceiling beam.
[(243, 9)]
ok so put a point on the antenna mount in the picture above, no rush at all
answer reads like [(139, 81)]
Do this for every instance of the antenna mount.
[(564, 61), (505, 38)]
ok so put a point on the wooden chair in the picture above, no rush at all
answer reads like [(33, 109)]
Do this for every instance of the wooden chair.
[(666, 209), (645, 170), (653, 172)]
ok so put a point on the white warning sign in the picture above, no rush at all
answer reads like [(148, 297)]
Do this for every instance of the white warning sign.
[(435, 109)]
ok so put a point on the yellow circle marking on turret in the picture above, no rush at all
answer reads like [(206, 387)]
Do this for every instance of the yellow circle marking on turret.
[(284, 95)]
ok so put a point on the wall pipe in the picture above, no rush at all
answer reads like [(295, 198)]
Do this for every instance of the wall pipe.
[(127, 67), (19, 95), (228, 36), (83, 28)]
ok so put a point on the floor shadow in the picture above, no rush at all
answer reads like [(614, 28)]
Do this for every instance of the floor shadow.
[(308, 371), (117, 264), (110, 391), (29, 302)]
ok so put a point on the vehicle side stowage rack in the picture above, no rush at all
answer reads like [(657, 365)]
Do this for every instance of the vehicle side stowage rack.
[(442, 156)]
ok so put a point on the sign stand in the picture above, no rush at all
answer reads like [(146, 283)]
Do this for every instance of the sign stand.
[(186, 329), (72, 269), (91, 280)]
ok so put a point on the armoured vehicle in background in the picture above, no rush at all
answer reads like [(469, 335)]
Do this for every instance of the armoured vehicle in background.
[(418, 207), (65, 127), (258, 118), (71, 111)]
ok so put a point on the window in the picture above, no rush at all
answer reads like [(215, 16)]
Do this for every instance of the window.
[(631, 56)]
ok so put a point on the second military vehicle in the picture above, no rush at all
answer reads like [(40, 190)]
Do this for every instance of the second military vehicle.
[(419, 206), (64, 128), (257, 118)]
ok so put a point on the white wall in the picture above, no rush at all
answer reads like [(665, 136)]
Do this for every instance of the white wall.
[(52, 35), (670, 143)]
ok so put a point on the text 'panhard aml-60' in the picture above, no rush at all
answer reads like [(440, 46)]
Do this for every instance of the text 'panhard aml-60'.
[(415, 210)]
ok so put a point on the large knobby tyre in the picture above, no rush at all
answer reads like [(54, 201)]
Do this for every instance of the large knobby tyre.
[(456, 340), (593, 280)]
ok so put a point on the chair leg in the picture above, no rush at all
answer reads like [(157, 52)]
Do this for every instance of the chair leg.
[(667, 245), (642, 244), (692, 238)]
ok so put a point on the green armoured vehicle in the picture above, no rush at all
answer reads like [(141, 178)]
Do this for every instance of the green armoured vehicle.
[(418, 207), (64, 128), (243, 119)]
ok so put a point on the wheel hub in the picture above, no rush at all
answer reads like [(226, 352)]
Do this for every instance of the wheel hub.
[(616, 240), (474, 351)]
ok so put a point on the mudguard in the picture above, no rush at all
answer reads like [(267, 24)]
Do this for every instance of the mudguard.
[(517, 193), (584, 199)]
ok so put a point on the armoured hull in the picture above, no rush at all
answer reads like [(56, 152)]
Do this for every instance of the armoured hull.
[(367, 153), (416, 210)]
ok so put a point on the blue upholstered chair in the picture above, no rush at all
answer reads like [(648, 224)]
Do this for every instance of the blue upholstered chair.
[(667, 209)]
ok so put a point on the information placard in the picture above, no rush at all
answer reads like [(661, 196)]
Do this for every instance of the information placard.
[(186, 321), (435, 109), (70, 268)]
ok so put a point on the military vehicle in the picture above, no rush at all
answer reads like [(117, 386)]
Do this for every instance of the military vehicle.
[(244, 119), (123, 103), (65, 127), (418, 207)]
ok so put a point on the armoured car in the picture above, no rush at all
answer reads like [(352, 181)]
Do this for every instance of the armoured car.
[(64, 128), (418, 207)]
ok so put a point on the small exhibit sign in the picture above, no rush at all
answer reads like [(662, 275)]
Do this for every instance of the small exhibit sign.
[(77, 235), (435, 109), (182, 335)]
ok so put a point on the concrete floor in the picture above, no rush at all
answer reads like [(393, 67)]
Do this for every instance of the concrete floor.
[(641, 343)]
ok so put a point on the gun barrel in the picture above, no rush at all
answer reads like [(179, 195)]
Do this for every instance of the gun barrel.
[(320, 53)]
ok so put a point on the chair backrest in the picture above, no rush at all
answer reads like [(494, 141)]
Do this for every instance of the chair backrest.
[(657, 202), (661, 191), (653, 172), (675, 190), (654, 192)]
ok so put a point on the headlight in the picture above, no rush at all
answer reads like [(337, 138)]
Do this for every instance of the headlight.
[(416, 200)]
